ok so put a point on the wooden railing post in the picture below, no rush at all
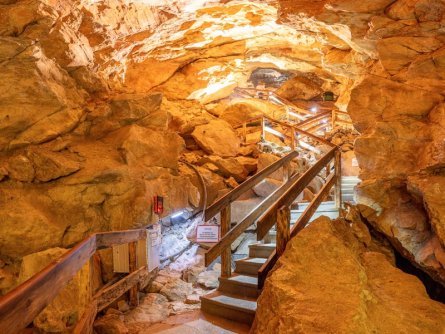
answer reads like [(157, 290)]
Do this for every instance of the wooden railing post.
[(283, 229), (134, 293), (292, 139), (263, 130), (333, 118), (328, 169), (338, 178), (226, 254), (287, 171)]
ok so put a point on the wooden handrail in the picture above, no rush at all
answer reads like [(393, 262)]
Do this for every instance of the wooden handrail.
[(19, 307), (275, 208), (246, 185), (269, 218), (251, 218)]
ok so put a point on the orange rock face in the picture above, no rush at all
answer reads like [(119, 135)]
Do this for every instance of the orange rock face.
[(101, 100)]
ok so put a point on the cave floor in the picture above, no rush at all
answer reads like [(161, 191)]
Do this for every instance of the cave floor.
[(196, 322)]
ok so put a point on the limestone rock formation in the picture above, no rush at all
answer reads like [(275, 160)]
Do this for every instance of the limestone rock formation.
[(217, 137), (299, 88), (331, 280), (392, 51), (100, 101)]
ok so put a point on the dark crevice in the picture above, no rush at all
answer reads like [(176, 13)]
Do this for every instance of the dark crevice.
[(434, 289)]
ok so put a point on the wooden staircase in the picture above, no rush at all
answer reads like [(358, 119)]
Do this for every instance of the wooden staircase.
[(236, 296)]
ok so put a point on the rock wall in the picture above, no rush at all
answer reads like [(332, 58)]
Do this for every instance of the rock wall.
[(100, 101), (396, 102), (333, 278), (75, 156)]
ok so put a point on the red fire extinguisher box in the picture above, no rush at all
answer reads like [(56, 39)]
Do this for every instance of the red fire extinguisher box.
[(158, 205)]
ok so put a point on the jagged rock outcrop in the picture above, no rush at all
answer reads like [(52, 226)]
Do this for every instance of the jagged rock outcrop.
[(217, 137), (99, 100), (332, 278), (396, 102)]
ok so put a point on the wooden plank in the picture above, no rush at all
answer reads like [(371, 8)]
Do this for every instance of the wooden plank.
[(246, 185), (328, 169), (109, 239), (269, 218), (316, 118), (300, 224), (19, 307), (292, 139), (226, 254), (291, 104), (338, 179), (318, 127), (266, 268), (134, 293), (85, 324), (108, 295), (283, 229), (341, 112), (308, 134)]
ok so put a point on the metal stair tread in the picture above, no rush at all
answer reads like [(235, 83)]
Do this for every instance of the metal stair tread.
[(270, 245), (242, 304), (242, 279), (253, 260)]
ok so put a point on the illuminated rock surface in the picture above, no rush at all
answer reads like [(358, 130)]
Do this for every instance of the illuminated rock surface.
[(102, 101), (331, 281)]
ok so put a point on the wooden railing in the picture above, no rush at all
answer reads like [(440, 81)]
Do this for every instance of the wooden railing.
[(307, 120), (19, 307), (274, 208)]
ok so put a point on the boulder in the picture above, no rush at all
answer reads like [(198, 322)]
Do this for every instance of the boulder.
[(38, 100), (20, 168), (52, 165), (398, 213), (299, 87), (376, 99), (396, 53), (129, 109), (232, 167), (153, 308), (26, 229), (431, 190), (240, 111), (218, 138), (148, 147), (67, 308), (213, 182), (110, 324), (328, 273), (249, 164), (176, 290)]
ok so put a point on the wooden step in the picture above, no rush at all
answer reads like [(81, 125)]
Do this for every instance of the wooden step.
[(240, 285), (261, 250), (249, 265), (229, 306)]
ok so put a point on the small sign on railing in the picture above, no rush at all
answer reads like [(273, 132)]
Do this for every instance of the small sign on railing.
[(207, 233)]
